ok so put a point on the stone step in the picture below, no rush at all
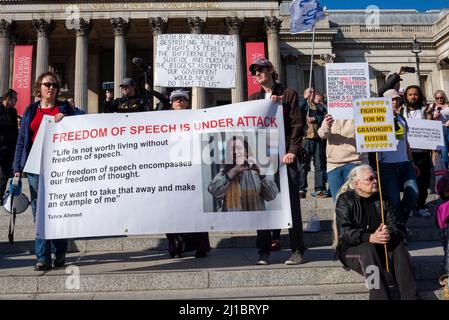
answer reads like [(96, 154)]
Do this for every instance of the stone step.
[(25, 221), (24, 242), (428, 291), (223, 269), (159, 242)]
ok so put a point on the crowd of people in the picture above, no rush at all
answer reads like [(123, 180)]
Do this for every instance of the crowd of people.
[(311, 135)]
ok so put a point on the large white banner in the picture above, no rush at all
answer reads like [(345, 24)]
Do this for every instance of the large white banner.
[(374, 125), (164, 172), (425, 134), (346, 82), (196, 60)]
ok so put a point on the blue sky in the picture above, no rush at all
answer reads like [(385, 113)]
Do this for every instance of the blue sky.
[(420, 5)]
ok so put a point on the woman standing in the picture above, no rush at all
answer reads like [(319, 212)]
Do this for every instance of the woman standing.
[(46, 89), (441, 112)]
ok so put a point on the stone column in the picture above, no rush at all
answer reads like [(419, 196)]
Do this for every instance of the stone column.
[(445, 79), (158, 26), (120, 26), (44, 29), (234, 26), (5, 42), (272, 26), (81, 66), (198, 94)]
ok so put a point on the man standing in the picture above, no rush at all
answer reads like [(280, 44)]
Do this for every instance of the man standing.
[(314, 146), (8, 136), (263, 72), (361, 236), (129, 102)]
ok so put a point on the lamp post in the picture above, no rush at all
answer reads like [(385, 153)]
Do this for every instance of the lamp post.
[(416, 49)]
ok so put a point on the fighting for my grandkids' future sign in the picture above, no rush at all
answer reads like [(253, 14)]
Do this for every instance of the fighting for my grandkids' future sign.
[(374, 125)]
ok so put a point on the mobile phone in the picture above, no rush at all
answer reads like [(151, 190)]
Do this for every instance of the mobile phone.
[(410, 69)]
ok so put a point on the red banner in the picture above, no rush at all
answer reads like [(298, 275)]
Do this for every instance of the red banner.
[(23, 67), (254, 50)]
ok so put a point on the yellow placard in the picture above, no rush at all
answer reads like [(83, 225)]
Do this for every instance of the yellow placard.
[(377, 110), (375, 129), (373, 119), (377, 138)]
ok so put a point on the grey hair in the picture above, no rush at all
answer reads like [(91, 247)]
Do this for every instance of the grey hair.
[(354, 175)]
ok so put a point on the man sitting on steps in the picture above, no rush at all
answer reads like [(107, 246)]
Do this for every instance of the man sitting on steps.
[(361, 236)]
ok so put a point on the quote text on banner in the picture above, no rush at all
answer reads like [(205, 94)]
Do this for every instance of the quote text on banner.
[(164, 172), (195, 60)]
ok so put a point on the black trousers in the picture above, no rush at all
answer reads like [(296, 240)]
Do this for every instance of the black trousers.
[(361, 257), (296, 234), (5, 174)]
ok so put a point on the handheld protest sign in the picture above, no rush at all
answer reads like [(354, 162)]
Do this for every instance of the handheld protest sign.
[(374, 125), (346, 82)]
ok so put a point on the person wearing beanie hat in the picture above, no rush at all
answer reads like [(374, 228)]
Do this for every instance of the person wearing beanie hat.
[(397, 169), (178, 243), (179, 99)]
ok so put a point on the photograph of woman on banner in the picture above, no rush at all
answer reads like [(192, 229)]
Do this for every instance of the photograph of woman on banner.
[(239, 185), (47, 90)]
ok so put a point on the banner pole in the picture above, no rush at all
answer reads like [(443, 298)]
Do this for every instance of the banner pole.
[(382, 207), (311, 63)]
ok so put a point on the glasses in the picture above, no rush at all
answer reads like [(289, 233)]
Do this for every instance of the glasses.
[(439, 98), (258, 69), (179, 100), (371, 179), (50, 84)]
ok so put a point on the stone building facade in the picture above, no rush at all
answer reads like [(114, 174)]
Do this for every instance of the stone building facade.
[(99, 46)]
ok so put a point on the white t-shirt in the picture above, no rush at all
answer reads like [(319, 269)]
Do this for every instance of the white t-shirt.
[(414, 114), (400, 155)]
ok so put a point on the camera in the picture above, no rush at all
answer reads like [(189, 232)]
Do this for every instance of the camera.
[(409, 70), (107, 85)]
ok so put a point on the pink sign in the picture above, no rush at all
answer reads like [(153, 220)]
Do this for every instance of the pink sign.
[(23, 67), (254, 50)]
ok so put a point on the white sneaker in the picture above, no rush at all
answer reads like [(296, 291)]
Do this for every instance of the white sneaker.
[(423, 213)]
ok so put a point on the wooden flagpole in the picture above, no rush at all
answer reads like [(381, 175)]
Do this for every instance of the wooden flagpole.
[(382, 208)]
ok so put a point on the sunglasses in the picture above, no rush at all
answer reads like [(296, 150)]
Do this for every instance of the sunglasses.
[(439, 98), (179, 99), (258, 69), (371, 179), (50, 84)]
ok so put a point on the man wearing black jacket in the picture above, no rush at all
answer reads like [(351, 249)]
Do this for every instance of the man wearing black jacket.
[(263, 72), (8, 136), (131, 101), (362, 236)]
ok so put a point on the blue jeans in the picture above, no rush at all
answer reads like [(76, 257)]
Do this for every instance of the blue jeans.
[(337, 177), (394, 178), (43, 247)]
